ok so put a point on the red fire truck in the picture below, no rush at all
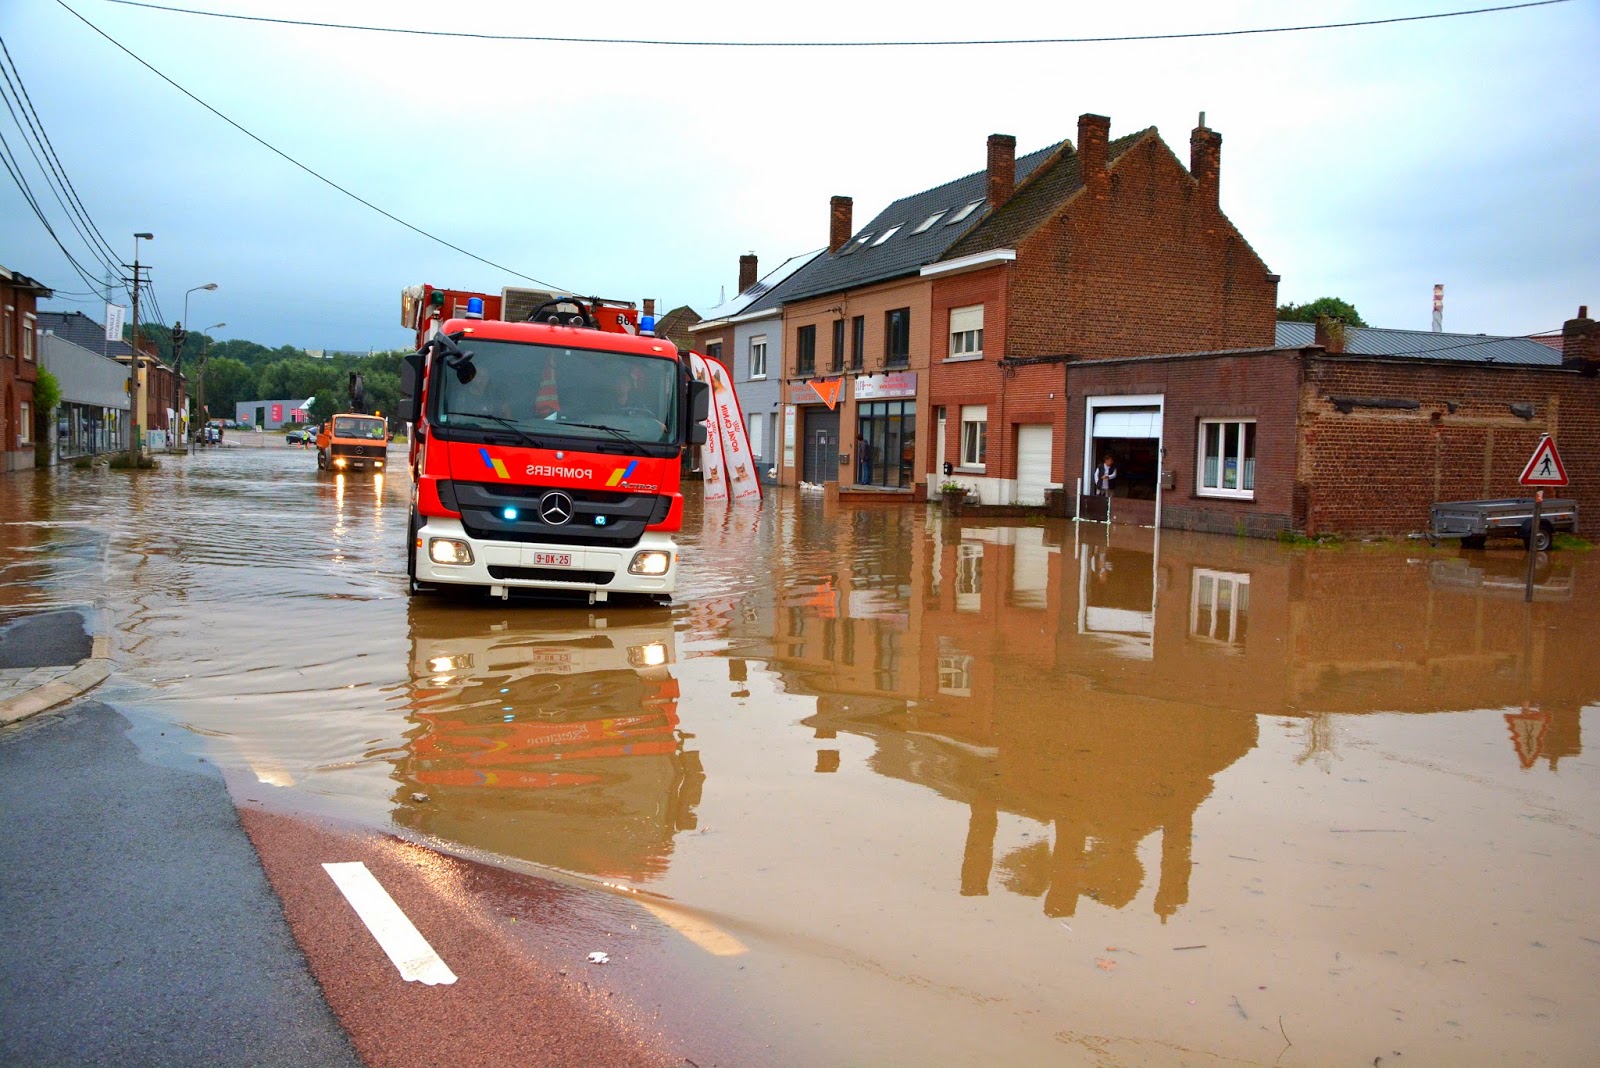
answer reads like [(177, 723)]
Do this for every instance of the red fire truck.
[(545, 453)]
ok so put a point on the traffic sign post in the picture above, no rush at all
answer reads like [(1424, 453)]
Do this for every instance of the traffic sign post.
[(1544, 469)]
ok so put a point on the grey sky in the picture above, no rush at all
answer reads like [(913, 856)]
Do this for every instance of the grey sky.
[(1365, 163)]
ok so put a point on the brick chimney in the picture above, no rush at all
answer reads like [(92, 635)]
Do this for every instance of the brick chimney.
[(747, 271), (1093, 132), (1002, 168), (649, 306), (1329, 333), (1580, 343), (1205, 160), (840, 226)]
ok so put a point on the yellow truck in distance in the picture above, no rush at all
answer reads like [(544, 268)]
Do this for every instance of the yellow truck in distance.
[(350, 442)]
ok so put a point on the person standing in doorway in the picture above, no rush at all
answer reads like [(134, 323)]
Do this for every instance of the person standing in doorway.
[(863, 460), (1105, 476)]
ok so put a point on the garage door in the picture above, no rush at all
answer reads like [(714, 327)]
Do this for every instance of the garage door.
[(1033, 463)]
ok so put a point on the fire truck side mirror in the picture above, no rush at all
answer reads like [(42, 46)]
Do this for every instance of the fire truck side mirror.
[(699, 409), (410, 394)]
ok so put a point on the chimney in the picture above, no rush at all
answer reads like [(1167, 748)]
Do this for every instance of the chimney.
[(1580, 343), (1329, 333), (1205, 160), (1093, 132), (747, 271), (839, 225), (649, 306), (1002, 168)]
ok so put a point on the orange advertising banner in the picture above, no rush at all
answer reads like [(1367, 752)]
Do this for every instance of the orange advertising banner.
[(827, 389)]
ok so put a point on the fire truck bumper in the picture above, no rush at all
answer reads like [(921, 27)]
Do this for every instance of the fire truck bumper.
[(447, 555)]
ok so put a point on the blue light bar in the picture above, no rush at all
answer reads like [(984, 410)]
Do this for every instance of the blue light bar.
[(509, 514)]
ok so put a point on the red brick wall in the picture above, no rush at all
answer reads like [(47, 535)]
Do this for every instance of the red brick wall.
[(1377, 471), (1152, 268), (1263, 387)]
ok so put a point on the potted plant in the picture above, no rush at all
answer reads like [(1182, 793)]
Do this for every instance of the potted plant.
[(953, 496)]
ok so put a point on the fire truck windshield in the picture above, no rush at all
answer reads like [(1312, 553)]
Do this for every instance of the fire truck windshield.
[(549, 391)]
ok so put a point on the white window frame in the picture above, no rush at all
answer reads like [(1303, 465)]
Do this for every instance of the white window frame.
[(887, 234), (25, 423), (1219, 601), (758, 434), (964, 212), (930, 220), (1231, 436), (966, 332), (30, 329), (7, 324), (974, 437), (759, 341)]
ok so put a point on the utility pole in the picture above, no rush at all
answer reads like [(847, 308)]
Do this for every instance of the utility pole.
[(200, 412), (133, 363)]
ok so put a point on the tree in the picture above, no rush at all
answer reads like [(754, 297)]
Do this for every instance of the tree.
[(46, 396), (228, 381), (1321, 308)]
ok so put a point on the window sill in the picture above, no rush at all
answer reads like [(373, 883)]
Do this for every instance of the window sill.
[(965, 357), (968, 469), (1227, 495)]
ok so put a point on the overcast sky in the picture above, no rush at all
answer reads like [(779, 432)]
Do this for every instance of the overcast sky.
[(1367, 163)]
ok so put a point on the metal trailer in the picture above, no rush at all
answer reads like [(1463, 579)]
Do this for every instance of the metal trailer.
[(1474, 522)]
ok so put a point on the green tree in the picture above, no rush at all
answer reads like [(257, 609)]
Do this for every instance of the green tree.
[(228, 381), (1321, 308), (46, 396)]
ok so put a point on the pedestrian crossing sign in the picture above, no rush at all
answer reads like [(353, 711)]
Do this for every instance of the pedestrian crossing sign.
[(1545, 468)]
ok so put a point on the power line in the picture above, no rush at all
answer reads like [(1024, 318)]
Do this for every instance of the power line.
[(13, 168), (285, 156), (663, 43), (36, 125)]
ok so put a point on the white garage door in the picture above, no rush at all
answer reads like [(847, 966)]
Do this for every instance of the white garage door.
[(1033, 463)]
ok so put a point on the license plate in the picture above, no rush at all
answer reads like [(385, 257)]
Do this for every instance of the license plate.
[(552, 559)]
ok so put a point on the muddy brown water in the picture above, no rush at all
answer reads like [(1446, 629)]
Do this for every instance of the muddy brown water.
[(942, 792)]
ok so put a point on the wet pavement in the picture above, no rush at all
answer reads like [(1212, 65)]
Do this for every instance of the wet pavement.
[(935, 792)]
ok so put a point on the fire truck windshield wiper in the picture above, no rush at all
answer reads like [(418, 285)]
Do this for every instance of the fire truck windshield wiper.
[(509, 424), (613, 431)]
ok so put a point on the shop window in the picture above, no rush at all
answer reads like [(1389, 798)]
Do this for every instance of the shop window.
[(1227, 458)]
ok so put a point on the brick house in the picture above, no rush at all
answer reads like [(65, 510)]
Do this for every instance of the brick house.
[(19, 366), (746, 333), (1352, 432), (953, 314)]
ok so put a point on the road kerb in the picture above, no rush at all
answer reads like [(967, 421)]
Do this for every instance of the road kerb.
[(80, 680)]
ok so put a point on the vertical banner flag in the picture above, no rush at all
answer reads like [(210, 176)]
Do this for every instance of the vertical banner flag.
[(711, 451), (741, 469), (114, 314)]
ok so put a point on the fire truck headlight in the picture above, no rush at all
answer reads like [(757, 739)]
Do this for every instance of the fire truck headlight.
[(652, 655), (449, 551), (650, 562)]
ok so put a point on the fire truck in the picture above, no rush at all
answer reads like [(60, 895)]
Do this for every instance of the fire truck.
[(545, 452)]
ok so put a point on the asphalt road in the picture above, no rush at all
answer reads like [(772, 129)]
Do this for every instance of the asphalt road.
[(46, 639), (136, 925)]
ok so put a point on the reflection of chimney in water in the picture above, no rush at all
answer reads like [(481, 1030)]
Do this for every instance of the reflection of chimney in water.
[(977, 859)]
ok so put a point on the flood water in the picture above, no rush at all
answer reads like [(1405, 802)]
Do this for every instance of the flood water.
[(952, 792)]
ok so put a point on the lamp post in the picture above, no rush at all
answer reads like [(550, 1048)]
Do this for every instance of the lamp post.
[(133, 361), (179, 336), (200, 383)]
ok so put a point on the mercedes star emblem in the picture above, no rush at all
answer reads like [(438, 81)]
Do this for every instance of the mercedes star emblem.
[(555, 508)]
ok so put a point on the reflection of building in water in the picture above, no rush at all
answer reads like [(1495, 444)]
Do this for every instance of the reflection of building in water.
[(1078, 677), (548, 736)]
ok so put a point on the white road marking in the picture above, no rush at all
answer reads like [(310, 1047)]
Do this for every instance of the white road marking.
[(400, 939)]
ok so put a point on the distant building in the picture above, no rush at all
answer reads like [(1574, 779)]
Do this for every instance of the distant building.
[(93, 415), (19, 366), (273, 414)]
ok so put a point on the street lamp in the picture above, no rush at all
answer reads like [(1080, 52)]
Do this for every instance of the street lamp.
[(179, 336), (200, 385), (133, 361)]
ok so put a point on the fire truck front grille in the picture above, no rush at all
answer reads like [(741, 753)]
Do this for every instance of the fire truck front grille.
[(551, 574), (593, 518)]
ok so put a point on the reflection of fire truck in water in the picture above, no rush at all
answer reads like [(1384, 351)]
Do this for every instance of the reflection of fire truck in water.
[(546, 451), (548, 742)]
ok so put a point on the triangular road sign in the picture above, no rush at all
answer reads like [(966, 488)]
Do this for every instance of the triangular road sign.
[(1545, 468), (828, 390)]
